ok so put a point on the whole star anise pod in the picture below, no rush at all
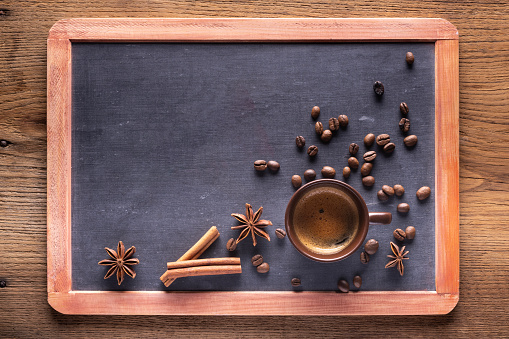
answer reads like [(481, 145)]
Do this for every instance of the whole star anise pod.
[(119, 261), (251, 224), (398, 257)]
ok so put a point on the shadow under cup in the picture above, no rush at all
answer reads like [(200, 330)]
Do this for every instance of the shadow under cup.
[(354, 199)]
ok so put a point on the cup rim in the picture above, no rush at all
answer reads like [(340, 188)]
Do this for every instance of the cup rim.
[(353, 246)]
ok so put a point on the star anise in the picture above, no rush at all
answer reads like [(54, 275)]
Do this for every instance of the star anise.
[(398, 257), (119, 261), (251, 224)]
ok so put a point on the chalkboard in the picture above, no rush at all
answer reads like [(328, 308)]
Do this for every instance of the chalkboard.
[(164, 136)]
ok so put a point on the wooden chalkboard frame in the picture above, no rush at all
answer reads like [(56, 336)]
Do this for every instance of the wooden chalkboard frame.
[(445, 36)]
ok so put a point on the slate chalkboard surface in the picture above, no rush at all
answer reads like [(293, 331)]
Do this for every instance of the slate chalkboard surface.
[(164, 137)]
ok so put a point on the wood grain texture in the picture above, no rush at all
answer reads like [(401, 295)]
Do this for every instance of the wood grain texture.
[(484, 154)]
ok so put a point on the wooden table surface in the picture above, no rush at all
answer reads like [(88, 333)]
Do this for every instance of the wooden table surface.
[(484, 183)]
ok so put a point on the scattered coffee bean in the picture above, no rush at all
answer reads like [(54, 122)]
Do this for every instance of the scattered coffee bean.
[(310, 175), (383, 139), (403, 108), (364, 257), (357, 281), (378, 87), (343, 120), (409, 58), (423, 192), (366, 168), (328, 172), (319, 128), (404, 125), (371, 246), (369, 156), (312, 150), (353, 162), (280, 233), (410, 140), (263, 268), (300, 141), (231, 245), (260, 165), (403, 207), (3, 284), (388, 190), (353, 149), (315, 112), (4, 143), (343, 286), (296, 180), (368, 181), (273, 165), (369, 139), (257, 260), (382, 196), (346, 172), (333, 124), (296, 282), (326, 136), (399, 190), (389, 148), (399, 234), (410, 232)]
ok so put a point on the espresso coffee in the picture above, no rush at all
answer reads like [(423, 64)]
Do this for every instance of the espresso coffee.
[(326, 220)]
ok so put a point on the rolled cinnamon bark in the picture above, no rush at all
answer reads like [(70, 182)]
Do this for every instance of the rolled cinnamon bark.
[(202, 270), (203, 262)]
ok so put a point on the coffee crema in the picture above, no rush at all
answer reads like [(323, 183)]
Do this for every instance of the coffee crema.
[(326, 220)]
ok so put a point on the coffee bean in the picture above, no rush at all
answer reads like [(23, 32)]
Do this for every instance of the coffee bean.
[(410, 232), (371, 246), (423, 192), (296, 180), (369, 156), (399, 190), (357, 281), (382, 196), (368, 181), (410, 140), (346, 172), (296, 282), (366, 168), (280, 233), (333, 124), (328, 172), (343, 120), (364, 257), (312, 150), (353, 149), (257, 260), (369, 139), (404, 125), (263, 268), (353, 163), (343, 286), (388, 190), (310, 175), (409, 58), (300, 141), (231, 245), (403, 207), (318, 128), (378, 87), (315, 112), (260, 165), (389, 148), (383, 139), (4, 143), (326, 136), (273, 165), (3, 284), (403, 108), (399, 234)]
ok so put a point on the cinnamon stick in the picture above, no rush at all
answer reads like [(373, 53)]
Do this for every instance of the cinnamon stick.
[(201, 270), (203, 262)]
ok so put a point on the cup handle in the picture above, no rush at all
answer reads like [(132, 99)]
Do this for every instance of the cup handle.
[(380, 218)]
